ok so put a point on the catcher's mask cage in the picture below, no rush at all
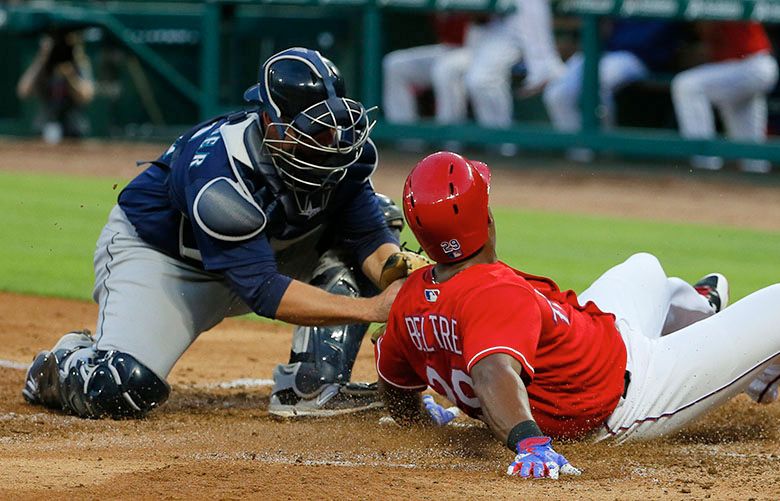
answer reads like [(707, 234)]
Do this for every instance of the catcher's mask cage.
[(315, 132)]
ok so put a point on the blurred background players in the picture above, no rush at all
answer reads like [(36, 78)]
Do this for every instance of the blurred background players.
[(479, 70), (440, 66), (543, 63), (740, 74), (60, 79), (633, 49)]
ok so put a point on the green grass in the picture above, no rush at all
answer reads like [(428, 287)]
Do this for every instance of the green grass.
[(575, 250), (49, 224)]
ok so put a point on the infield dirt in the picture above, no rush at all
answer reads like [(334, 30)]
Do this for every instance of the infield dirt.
[(210, 441)]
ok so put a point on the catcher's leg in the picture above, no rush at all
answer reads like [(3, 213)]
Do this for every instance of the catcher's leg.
[(316, 381), (77, 378), (151, 308)]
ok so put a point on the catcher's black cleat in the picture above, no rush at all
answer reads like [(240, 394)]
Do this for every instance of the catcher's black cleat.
[(333, 399), (34, 373), (41, 385), (715, 288)]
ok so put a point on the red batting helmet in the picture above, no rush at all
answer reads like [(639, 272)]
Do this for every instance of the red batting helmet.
[(446, 205)]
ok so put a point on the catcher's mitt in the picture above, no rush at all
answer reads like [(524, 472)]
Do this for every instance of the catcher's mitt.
[(401, 265)]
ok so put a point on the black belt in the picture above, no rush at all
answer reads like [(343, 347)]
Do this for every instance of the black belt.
[(626, 383)]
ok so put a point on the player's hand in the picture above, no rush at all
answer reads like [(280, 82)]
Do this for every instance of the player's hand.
[(537, 459), (439, 414), (384, 301)]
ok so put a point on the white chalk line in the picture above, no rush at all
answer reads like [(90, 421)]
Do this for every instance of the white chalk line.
[(236, 383), (10, 364)]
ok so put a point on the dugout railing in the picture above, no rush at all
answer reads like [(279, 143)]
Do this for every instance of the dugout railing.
[(655, 142)]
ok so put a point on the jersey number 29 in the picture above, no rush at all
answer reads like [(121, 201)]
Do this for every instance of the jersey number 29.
[(454, 389)]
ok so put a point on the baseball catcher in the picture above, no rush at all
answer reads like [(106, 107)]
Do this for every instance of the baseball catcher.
[(269, 210), (637, 355)]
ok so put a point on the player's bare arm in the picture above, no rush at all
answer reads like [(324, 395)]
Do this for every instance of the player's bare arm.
[(405, 406), (26, 85), (501, 393), (304, 304), (373, 264)]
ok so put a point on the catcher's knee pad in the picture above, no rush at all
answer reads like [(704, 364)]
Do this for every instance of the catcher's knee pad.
[(322, 355), (96, 383), (76, 377)]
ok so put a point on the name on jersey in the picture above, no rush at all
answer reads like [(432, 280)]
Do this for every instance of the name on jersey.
[(444, 330), (203, 150)]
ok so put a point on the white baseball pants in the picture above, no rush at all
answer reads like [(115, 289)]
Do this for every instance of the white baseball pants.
[(678, 375), (540, 53), (562, 96), (440, 66), (738, 89), (480, 70)]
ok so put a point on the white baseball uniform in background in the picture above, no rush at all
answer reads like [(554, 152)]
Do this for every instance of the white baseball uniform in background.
[(540, 54), (742, 73), (633, 49), (480, 70), (440, 66)]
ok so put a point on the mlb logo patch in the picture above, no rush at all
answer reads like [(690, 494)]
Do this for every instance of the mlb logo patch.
[(451, 248), (431, 295)]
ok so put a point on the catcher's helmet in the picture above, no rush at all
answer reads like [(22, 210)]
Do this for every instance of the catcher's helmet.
[(316, 132), (446, 205)]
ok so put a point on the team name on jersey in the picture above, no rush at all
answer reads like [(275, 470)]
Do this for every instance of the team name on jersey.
[(444, 329), (203, 150)]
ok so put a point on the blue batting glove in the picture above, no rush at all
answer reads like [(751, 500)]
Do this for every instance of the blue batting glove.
[(439, 414), (537, 459)]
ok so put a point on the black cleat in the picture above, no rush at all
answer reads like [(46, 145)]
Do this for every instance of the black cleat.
[(42, 380), (333, 399)]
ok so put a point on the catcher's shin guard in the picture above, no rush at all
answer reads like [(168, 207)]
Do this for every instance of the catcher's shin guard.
[(321, 357), (316, 381), (93, 383), (326, 354)]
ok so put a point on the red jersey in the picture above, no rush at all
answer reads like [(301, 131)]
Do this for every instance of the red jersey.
[(735, 39), (451, 27), (573, 357)]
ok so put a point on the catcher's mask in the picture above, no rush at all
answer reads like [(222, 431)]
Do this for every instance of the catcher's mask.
[(445, 202), (315, 133)]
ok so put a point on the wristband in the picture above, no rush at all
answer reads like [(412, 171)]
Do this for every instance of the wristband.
[(521, 430)]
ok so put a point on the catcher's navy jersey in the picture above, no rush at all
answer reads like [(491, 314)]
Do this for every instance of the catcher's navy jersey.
[(173, 207)]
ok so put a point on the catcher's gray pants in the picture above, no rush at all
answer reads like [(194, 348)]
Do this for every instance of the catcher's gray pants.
[(153, 306), (676, 378)]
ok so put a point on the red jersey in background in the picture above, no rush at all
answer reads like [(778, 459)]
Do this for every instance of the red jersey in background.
[(734, 39)]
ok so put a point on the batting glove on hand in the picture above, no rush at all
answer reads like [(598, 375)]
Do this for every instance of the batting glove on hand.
[(537, 459), (439, 414)]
